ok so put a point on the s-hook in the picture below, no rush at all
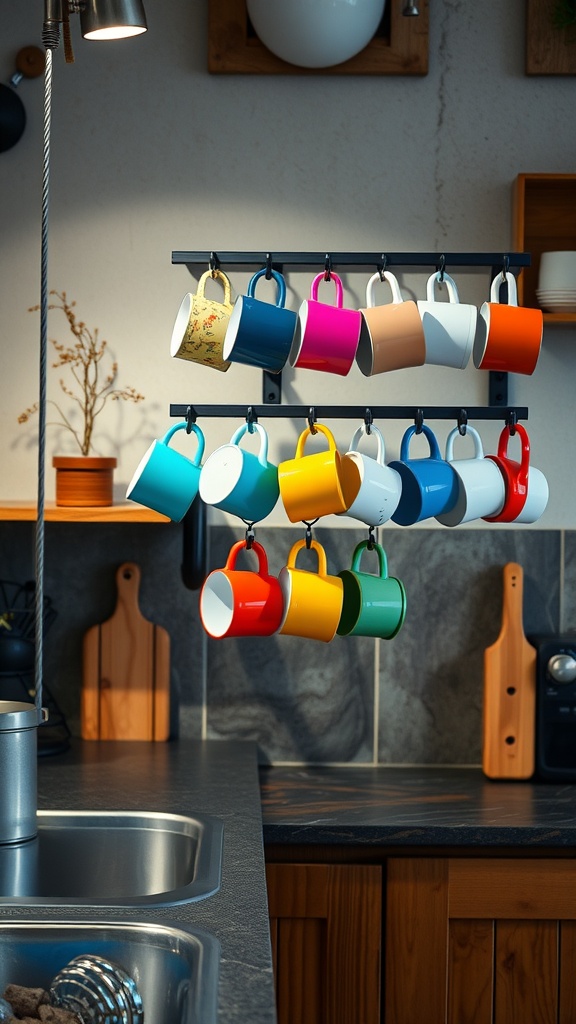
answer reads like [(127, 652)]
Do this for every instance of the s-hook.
[(505, 266), (462, 421), (312, 420), (512, 420), (251, 419), (328, 267), (441, 268), (249, 536), (309, 531), (368, 420), (371, 538), (213, 263), (419, 420), (190, 419), (268, 274), (381, 268)]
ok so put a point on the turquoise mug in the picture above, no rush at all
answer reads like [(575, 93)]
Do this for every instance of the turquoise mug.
[(165, 480), (372, 605), (238, 481), (429, 485), (260, 333)]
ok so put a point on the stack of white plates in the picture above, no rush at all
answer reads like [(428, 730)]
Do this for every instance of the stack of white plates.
[(556, 290)]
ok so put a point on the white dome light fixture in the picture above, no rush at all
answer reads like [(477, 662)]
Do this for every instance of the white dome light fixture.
[(315, 33)]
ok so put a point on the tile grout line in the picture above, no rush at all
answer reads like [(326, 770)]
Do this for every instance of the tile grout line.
[(375, 726), (562, 578)]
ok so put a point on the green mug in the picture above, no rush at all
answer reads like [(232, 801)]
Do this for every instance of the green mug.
[(372, 605)]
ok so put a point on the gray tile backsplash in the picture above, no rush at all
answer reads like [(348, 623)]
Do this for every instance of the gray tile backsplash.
[(414, 699)]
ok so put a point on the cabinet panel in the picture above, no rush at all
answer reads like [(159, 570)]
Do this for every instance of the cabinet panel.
[(470, 966), (325, 922), (526, 974)]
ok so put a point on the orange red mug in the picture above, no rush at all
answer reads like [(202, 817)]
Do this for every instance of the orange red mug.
[(509, 336), (239, 602)]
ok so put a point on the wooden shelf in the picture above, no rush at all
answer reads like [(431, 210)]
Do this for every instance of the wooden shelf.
[(126, 512), (544, 213)]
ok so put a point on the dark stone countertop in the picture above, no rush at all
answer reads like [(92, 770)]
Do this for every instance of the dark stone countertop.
[(185, 777), (409, 807)]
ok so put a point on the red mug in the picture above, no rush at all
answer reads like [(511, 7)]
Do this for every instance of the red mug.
[(515, 476), (238, 602), (509, 336)]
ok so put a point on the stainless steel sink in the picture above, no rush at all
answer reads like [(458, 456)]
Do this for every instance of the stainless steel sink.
[(175, 967), (113, 859)]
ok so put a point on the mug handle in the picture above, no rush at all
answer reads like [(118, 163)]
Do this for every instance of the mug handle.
[(478, 449), (182, 426), (381, 454), (339, 290), (392, 281), (281, 295), (216, 275), (263, 453), (258, 550), (450, 284), (525, 459), (322, 564), (306, 434), (497, 283), (382, 559), (433, 443)]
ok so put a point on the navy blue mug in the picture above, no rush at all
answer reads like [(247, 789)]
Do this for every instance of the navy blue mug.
[(429, 485), (260, 333)]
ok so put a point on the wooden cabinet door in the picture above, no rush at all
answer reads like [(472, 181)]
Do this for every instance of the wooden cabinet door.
[(325, 922), (471, 941)]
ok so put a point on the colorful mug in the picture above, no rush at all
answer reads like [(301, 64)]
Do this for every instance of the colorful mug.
[(238, 481), (326, 337), (429, 485), (312, 600), (165, 480), (200, 328), (372, 605), (379, 487), (511, 335), (319, 484), (259, 333), (237, 602), (392, 335)]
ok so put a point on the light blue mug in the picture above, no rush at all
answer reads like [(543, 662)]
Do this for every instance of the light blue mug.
[(238, 481), (260, 333), (165, 480), (429, 485)]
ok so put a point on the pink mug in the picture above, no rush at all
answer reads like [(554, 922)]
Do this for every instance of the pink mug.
[(326, 337)]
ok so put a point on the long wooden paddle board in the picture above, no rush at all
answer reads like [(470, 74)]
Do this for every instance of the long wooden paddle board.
[(509, 711), (126, 671)]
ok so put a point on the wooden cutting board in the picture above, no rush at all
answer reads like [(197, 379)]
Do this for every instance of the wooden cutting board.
[(509, 711), (126, 671)]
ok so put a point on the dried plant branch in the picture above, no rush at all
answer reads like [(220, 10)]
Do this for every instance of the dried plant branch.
[(91, 387)]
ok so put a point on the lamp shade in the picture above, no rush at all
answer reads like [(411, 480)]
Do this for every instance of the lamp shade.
[(315, 33), (112, 19)]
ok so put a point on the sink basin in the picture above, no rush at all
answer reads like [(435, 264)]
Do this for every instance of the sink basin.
[(175, 967), (113, 859)]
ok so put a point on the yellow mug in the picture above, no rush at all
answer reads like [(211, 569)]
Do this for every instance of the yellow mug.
[(319, 484), (312, 600), (201, 323)]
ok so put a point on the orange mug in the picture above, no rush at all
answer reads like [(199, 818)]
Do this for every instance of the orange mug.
[(509, 336), (238, 602)]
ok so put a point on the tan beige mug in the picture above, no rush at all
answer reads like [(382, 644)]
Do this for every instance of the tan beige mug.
[(201, 324), (312, 600), (392, 335)]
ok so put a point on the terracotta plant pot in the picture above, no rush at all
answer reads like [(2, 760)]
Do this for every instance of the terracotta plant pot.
[(83, 480)]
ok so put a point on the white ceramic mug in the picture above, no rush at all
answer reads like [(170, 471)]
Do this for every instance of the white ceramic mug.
[(481, 487), (449, 327), (380, 486)]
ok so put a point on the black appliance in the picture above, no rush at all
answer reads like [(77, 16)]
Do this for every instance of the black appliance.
[(555, 708)]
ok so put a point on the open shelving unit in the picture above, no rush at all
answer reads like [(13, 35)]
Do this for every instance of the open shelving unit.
[(544, 212)]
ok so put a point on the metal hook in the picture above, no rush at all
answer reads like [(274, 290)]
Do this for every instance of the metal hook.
[(249, 535), (190, 419), (382, 267), (505, 266), (462, 421), (328, 267), (309, 531), (512, 420), (251, 419), (268, 266), (368, 420), (312, 420), (419, 420), (371, 538), (441, 268), (213, 264)]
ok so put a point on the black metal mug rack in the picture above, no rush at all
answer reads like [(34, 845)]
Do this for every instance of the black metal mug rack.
[(194, 523)]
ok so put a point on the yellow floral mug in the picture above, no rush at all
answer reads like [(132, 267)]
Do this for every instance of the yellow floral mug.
[(201, 324)]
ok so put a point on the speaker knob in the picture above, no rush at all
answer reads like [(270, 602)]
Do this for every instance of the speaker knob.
[(562, 668)]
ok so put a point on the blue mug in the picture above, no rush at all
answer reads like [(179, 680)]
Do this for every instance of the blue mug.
[(259, 333), (429, 485), (238, 481), (165, 480)]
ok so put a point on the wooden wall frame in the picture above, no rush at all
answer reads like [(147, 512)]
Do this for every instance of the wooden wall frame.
[(549, 51), (400, 47)]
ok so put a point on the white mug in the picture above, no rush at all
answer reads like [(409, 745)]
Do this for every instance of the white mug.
[(380, 486), (536, 498), (449, 327), (481, 491)]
